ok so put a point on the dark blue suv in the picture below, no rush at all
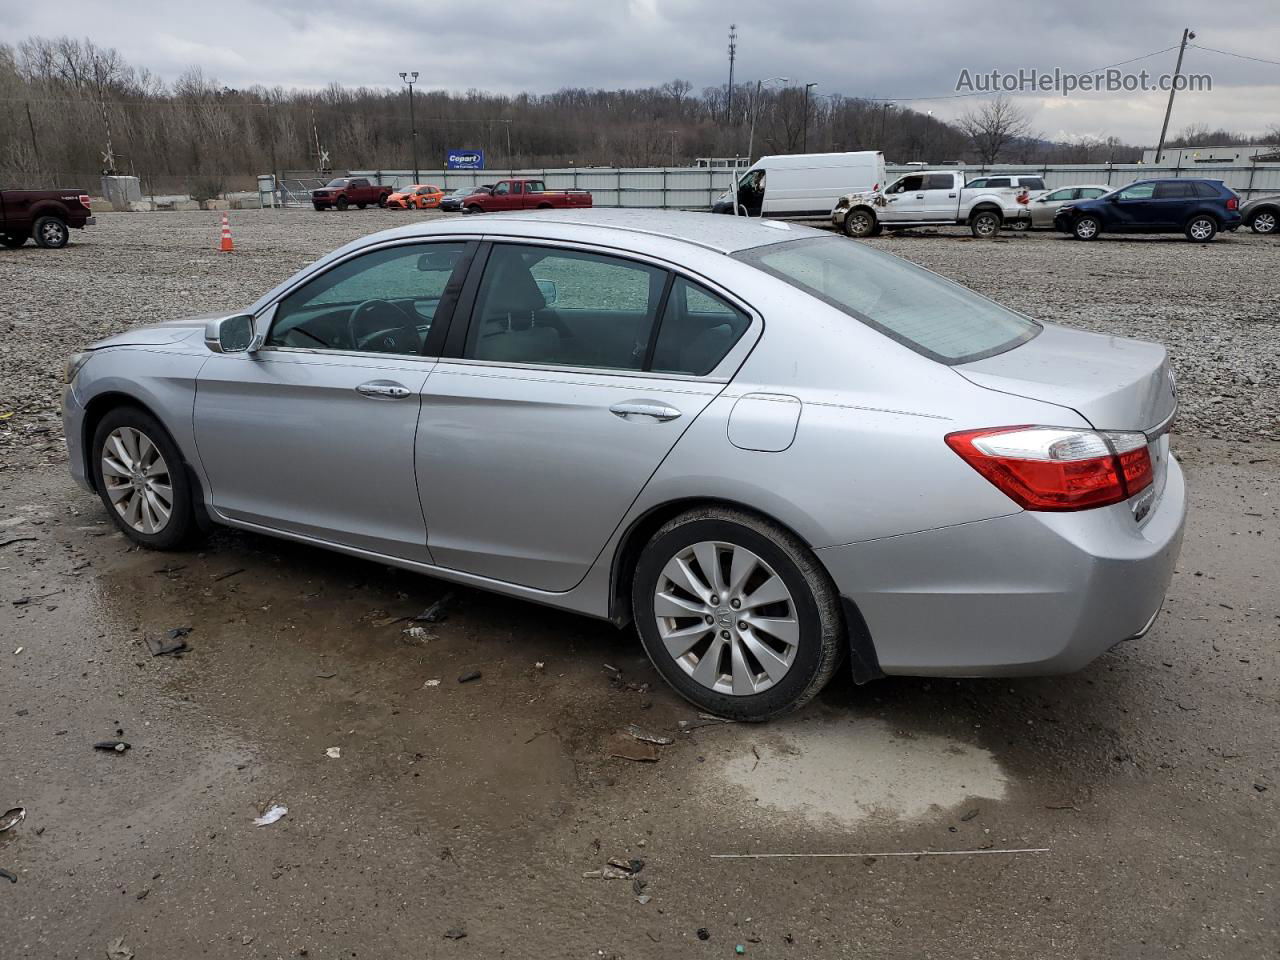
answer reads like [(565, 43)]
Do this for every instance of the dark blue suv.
[(1197, 208)]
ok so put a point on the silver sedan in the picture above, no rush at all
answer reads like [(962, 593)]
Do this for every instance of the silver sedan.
[(770, 448), (1046, 206)]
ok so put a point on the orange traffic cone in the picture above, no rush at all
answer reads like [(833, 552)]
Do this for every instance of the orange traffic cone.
[(227, 244)]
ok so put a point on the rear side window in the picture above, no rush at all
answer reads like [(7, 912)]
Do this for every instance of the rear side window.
[(939, 181), (1206, 190), (1091, 193), (935, 317), (1031, 183), (698, 329), (1174, 191)]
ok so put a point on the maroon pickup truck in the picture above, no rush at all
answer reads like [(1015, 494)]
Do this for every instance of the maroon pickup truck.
[(47, 215), (524, 195), (345, 191)]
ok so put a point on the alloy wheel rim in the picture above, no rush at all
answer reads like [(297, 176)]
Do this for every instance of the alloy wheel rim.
[(51, 233), (986, 226), (726, 618), (137, 480), (861, 223), (1087, 228), (1201, 229), (1265, 222)]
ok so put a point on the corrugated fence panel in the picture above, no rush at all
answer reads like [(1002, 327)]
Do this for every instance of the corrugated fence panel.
[(692, 188)]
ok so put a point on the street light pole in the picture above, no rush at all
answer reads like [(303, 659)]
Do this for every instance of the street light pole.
[(804, 140), (1187, 34), (755, 108), (883, 111), (413, 128)]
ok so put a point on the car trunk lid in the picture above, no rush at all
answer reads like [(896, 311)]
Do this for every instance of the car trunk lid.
[(1113, 382)]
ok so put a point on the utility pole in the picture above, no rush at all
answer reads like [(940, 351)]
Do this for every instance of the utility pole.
[(1173, 88), (35, 149), (755, 108), (733, 55), (673, 147), (413, 129), (883, 111), (510, 162), (804, 139)]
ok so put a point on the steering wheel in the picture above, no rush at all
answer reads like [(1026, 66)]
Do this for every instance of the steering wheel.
[(401, 337)]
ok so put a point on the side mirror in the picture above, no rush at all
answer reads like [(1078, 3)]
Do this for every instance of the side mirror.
[(232, 334), (1113, 199), (550, 293)]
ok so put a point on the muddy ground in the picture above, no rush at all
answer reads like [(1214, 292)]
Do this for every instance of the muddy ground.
[(1149, 781)]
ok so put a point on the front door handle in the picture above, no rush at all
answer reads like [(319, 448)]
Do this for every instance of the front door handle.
[(644, 410), (383, 390)]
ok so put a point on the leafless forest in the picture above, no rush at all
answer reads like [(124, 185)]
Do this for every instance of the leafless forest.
[(63, 102)]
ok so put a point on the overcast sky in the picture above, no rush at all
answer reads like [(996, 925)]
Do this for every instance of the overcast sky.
[(870, 48)]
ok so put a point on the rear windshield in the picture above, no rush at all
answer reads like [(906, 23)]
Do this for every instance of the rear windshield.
[(935, 317)]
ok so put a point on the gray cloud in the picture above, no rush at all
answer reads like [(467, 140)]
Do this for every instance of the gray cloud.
[(873, 48)]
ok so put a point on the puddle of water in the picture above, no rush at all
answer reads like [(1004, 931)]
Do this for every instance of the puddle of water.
[(849, 771)]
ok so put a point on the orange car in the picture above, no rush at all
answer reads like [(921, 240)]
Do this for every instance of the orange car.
[(418, 196)]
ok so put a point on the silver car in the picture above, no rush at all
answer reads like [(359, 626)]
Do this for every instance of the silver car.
[(1046, 206), (770, 448)]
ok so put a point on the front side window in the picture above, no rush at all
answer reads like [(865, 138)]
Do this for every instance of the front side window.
[(909, 184), (380, 302), (935, 317), (1092, 193), (1139, 191), (545, 305), (502, 189), (1059, 195)]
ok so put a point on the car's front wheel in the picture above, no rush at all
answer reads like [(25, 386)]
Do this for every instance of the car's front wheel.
[(736, 613), (860, 222), (1086, 228), (1201, 228), (139, 474), (343, 203)]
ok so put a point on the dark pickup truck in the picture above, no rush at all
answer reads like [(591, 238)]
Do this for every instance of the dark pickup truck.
[(523, 195), (47, 215), (345, 191)]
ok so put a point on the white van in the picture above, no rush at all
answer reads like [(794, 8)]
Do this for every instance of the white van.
[(803, 185)]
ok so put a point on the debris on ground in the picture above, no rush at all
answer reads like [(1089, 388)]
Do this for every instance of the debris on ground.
[(5, 543), (418, 635), (274, 813), (704, 720), (18, 651), (116, 950), (469, 676), (455, 933), (917, 854), (11, 818), (334, 753), (645, 736), (173, 642), (969, 815), (6, 875), (625, 747), (434, 682), (704, 933), (438, 612), (110, 746), (228, 575), (326, 676), (643, 899)]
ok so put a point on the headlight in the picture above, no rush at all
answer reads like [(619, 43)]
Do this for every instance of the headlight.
[(73, 366)]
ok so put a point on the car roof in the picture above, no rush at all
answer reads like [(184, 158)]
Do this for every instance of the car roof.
[(719, 232)]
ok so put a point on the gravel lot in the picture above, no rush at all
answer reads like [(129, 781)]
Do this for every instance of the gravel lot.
[(1214, 306)]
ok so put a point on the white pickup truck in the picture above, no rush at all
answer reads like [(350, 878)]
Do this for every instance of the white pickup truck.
[(931, 198)]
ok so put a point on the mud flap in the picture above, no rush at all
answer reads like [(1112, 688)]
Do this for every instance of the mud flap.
[(863, 661)]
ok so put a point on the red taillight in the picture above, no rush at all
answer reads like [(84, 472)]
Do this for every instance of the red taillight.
[(1057, 468), (84, 200), (1233, 203)]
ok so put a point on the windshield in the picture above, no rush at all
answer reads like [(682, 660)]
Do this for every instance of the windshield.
[(935, 317), (336, 183)]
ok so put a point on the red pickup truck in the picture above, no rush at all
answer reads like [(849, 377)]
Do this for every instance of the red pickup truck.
[(524, 195), (344, 191), (46, 215)]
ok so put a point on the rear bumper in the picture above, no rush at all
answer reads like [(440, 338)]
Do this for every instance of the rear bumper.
[(1029, 593)]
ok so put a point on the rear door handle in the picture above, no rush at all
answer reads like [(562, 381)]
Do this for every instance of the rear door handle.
[(383, 390), (644, 410)]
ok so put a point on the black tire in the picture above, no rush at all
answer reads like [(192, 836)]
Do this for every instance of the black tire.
[(1092, 226), (382, 200), (361, 206), (985, 224), (343, 203), (1265, 221), (13, 240), (860, 222), (475, 208), (816, 603), (1201, 228), (181, 525), (318, 206), (50, 233)]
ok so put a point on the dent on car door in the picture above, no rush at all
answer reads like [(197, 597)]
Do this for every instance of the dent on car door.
[(313, 434), (565, 395)]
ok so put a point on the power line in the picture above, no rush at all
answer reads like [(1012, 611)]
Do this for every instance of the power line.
[(1238, 56)]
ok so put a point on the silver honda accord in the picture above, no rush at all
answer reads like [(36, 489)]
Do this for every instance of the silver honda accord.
[(769, 447)]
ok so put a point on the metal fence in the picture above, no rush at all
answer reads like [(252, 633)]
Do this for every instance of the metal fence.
[(697, 189)]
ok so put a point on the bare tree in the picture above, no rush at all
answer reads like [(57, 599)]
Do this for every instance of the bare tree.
[(993, 127)]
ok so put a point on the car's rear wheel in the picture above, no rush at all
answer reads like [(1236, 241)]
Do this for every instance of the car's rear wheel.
[(736, 613), (1201, 228), (860, 223), (985, 224), (343, 203), (1086, 228), (1021, 225), (142, 479), (50, 232), (475, 208), (13, 240), (1263, 222)]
